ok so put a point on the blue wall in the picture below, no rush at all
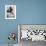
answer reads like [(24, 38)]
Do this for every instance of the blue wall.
[(27, 12)]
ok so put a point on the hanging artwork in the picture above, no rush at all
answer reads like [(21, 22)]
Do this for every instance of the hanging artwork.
[(10, 11)]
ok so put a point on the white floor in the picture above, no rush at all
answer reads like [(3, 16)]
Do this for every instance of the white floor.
[(15, 45), (7, 45)]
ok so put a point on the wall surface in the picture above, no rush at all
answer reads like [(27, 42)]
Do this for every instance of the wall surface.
[(27, 12)]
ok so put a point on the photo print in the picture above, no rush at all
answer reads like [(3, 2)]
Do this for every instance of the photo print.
[(10, 11)]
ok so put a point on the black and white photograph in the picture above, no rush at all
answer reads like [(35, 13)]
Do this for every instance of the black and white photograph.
[(10, 11)]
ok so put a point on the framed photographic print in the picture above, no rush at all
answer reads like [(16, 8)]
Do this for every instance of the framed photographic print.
[(10, 11)]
